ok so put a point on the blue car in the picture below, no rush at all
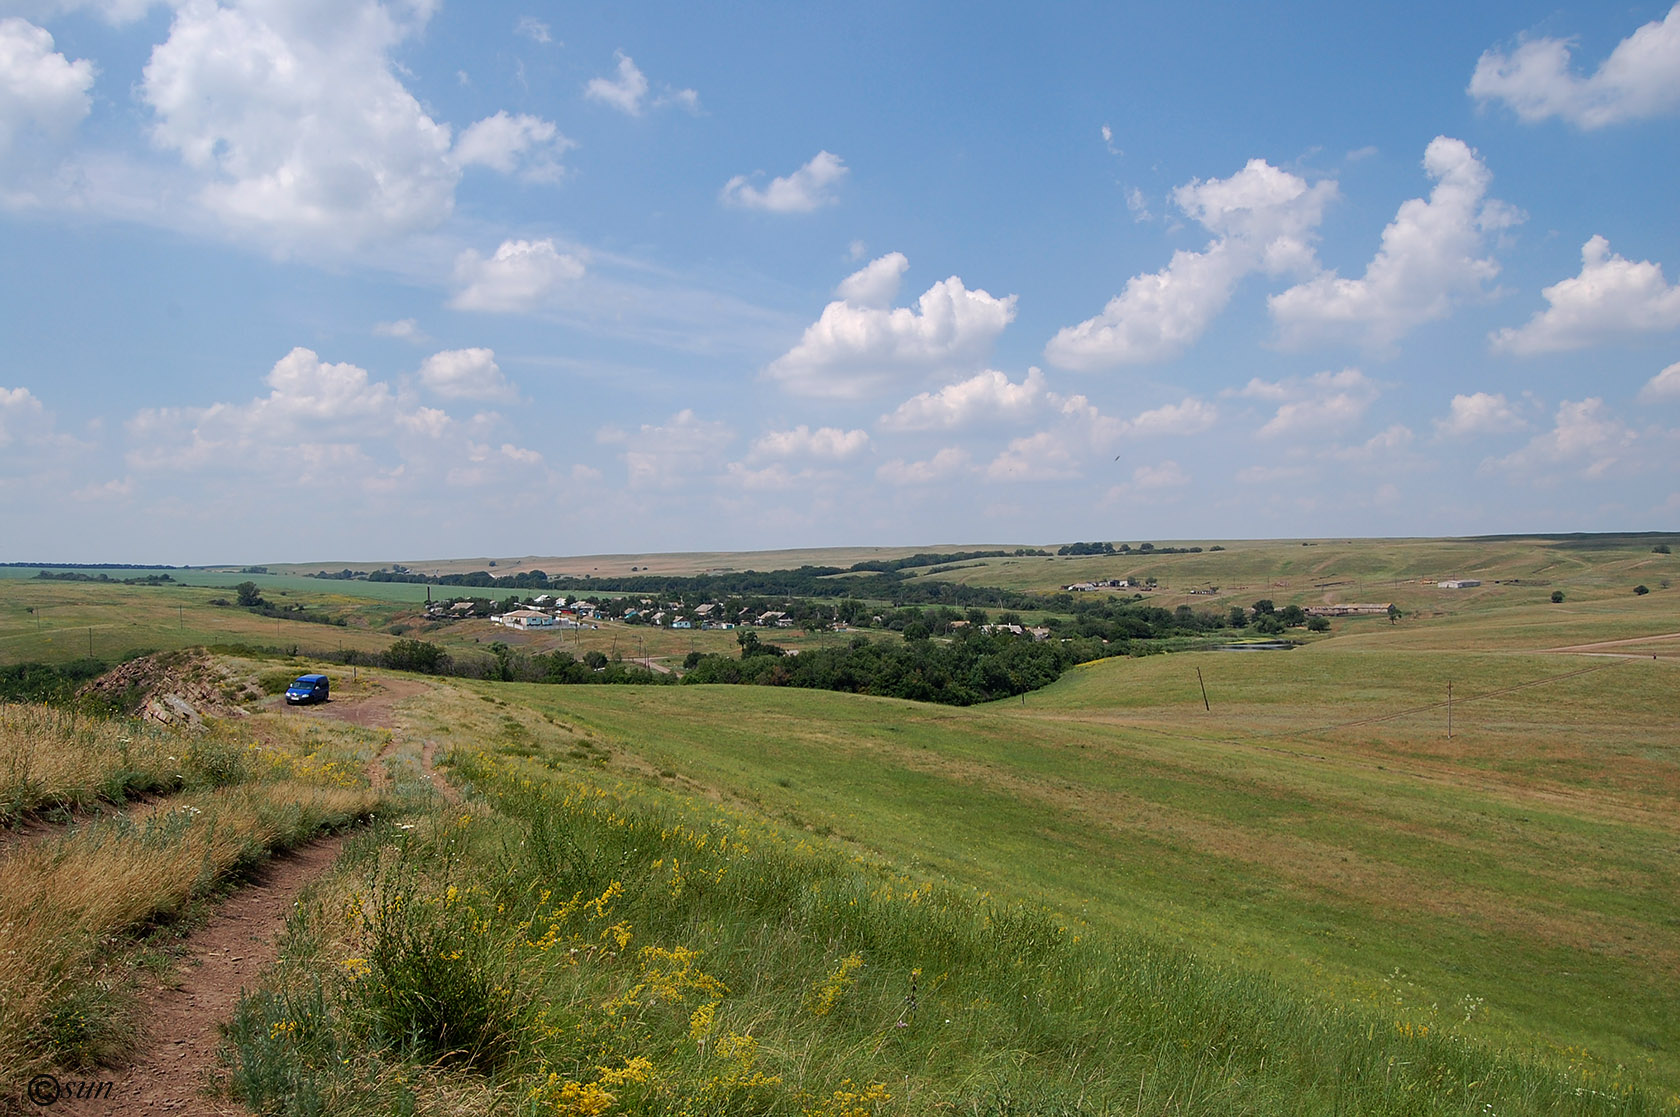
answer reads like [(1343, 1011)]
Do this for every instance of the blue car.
[(307, 689)]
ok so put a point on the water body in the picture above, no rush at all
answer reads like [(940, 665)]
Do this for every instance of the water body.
[(1258, 646)]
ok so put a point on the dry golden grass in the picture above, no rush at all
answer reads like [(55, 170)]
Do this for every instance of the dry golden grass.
[(64, 895), (57, 759)]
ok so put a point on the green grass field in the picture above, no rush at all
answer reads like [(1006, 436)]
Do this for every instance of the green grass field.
[(1520, 875), (1512, 883), (271, 585)]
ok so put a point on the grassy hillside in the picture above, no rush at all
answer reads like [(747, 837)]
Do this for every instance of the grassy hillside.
[(591, 935), (1401, 570), (1312, 835), (1518, 878)]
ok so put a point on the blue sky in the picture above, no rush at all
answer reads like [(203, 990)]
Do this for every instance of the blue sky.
[(352, 279)]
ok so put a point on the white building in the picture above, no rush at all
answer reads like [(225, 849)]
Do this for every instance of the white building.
[(525, 618)]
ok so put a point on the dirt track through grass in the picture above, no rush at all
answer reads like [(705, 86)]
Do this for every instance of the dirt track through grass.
[(173, 1072), (176, 1068)]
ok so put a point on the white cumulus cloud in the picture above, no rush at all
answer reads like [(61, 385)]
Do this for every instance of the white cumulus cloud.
[(298, 119), (1612, 298), (1162, 475), (984, 396), (21, 415), (825, 443), (810, 187), (1430, 258), (330, 426), (466, 374), (1640, 79), (624, 92), (1479, 413), (42, 93), (1585, 438), (627, 91), (853, 351), (405, 328), (1191, 416), (671, 454), (1262, 218), (876, 283), (1082, 434), (949, 462), (1664, 386), (521, 276), (1319, 404), (523, 144)]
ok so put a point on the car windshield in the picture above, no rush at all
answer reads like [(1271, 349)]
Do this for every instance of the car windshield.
[(304, 684)]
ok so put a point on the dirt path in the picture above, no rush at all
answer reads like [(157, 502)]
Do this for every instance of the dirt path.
[(428, 761), (375, 709), (175, 1067), (1589, 649)]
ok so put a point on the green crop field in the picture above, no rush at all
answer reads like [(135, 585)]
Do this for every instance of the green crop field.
[(270, 584)]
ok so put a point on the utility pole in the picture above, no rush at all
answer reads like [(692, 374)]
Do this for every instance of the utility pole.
[(1449, 711), (1203, 685)]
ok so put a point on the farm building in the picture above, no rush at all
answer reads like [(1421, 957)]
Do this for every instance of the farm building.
[(1458, 583), (1348, 609), (525, 618)]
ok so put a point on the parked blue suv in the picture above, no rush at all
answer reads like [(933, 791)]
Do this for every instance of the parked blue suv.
[(307, 689)]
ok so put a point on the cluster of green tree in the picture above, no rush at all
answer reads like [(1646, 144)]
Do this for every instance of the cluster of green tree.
[(1126, 549), (1152, 549), (805, 581), (97, 565), (1268, 620), (930, 558), (977, 668), (821, 582), (250, 597), (524, 580), (1121, 621), (594, 667), (79, 576), (54, 683)]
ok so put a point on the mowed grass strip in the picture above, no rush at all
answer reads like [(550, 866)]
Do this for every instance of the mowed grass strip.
[(68, 899), (1346, 860)]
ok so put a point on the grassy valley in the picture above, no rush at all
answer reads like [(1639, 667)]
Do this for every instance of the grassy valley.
[(1199, 882)]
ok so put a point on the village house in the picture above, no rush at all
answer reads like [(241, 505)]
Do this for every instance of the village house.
[(525, 618)]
